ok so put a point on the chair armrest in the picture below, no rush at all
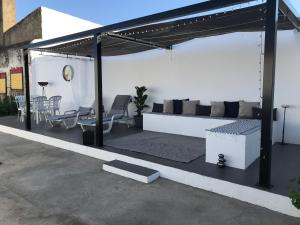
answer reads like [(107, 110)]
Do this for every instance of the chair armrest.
[(70, 112), (105, 113)]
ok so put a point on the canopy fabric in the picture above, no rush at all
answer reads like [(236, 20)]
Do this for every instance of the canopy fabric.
[(167, 34)]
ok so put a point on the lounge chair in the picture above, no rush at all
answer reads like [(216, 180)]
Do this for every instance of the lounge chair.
[(119, 109), (70, 118)]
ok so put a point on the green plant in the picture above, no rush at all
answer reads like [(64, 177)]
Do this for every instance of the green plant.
[(8, 106), (294, 192), (140, 100), (3, 107), (13, 109)]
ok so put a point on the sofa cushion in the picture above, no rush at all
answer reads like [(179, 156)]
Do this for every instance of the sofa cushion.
[(189, 107), (217, 109), (231, 109), (158, 108), (168, 106), (257, 113), (245, 110), (203, 110), (177, 106)]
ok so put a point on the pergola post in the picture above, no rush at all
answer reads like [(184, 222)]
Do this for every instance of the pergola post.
[(268, 93), (27, 90), (98, 91)]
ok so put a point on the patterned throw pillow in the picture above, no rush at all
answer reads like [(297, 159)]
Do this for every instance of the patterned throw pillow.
[(245, 110), (177, 106), (189, 107), (168, 106), (257, 113), (217, 109), (203, 110), (231, 109), (158, 108)]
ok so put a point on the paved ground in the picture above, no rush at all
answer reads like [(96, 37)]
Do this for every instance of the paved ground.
[(42, 185)]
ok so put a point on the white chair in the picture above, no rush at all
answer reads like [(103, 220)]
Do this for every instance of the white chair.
[(40, 108), (54, 105), (20, 101)]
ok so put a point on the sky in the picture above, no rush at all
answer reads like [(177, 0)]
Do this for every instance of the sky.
[(106, 12)]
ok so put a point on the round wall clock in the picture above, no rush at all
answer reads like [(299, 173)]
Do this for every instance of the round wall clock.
[(68, 73)]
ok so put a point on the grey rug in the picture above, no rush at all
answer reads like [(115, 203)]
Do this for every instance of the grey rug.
[(168, 146)]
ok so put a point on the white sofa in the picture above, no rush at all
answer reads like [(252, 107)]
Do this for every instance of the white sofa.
[(194, 126)]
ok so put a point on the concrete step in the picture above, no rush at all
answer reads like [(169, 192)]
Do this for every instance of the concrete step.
[(132, 171)]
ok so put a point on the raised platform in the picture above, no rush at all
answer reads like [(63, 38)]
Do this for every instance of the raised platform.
[(235, 183), (132, 171)]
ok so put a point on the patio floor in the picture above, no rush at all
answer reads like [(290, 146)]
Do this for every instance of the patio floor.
[(40, 184), (285, 166)]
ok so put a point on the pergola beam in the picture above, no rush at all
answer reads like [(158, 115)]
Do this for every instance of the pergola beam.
[(98, 92), (288, 12), (27, 90), (137, 41), (268, 93), (208, 5)]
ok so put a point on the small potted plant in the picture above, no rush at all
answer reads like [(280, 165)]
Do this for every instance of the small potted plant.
[(294, 192), (140, 103)]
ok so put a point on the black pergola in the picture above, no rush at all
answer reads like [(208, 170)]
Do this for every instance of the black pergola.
[(148, 33)]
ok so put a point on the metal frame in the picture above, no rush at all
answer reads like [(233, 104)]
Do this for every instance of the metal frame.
[(158, 17), (269, 67), (98, 91), (268, 93), (287, 10), (138, 41), (27, 89), (171, 14)]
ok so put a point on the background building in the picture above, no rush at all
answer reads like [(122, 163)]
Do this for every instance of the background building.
[(41, 24)]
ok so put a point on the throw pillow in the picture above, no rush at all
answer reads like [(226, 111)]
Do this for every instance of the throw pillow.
[(158, 108), (189, 107), (231, 109), (217, 109), (177, 106), (245, 110), (203, 110), (168, 106), (257, 113)]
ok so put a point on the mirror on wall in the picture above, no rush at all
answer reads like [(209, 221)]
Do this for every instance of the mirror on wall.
[(68, 73)]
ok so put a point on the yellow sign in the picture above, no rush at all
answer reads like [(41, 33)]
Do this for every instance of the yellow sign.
[(2, 86), (16, 81)]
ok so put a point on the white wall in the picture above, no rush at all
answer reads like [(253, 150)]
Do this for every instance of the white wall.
[(288, 83), (78, 92), (56, 24), (215, 68), (49, 68)]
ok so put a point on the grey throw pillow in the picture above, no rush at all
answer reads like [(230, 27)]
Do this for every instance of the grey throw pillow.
[(168, 106), (245, 110), (189, 107), (217, 109)]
